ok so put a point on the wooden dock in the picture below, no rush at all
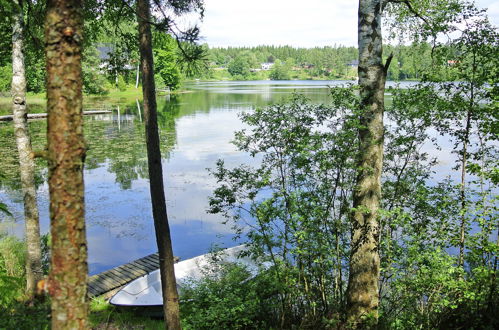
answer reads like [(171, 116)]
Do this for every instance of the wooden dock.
[(44, 115), (109, 282)]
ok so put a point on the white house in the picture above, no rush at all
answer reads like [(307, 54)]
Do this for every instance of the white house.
[(266, 66)]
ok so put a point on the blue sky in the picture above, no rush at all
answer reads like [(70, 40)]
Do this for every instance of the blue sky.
[(289, 22)]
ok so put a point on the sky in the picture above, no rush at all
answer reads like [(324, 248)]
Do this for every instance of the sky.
[(289, 22)]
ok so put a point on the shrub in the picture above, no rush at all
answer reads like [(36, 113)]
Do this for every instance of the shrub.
[(5, 78), (121, 84), (12, 260), (229, 298)]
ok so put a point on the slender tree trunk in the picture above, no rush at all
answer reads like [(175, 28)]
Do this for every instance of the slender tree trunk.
[(66, 153), (26, 164), (464, 160), (163, 239), (362, 291)]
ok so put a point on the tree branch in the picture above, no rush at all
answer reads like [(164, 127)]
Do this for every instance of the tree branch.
[(387, 63), (407, 3)]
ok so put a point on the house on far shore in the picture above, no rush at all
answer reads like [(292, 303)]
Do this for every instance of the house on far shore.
[(267, 66), (353, 64), (105, 52)]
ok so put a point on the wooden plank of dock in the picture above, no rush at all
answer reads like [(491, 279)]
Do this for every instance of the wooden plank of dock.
[(115, 278), (44, 115)]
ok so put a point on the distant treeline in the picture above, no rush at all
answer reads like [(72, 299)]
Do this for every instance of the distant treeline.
[(331, 62)]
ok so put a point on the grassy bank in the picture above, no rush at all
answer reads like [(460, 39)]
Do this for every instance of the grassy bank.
[(37, 102)]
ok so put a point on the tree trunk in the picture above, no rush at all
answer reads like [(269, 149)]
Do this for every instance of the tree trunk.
[(66, 153), (163, 239), (462, 188), (362, 291), (464, 160), (26, 164)]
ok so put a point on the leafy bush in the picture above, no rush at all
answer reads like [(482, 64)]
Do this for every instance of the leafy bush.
[(294, 206), (280, 71), (166, 61), (121, 84), (23, 316), (229, 298), (35, 69), (94, 82), (12, 260), (5, 78)]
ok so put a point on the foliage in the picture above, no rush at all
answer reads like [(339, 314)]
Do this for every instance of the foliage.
[(93, 81), (5, 78), (105, 316), (451, 224), (12, 260), (121, 84), (229, 297), (35, 69), (337, 62), (293, 208), (240, 66), (15, 312), (165, 60), (3, 207), (24, 315), (280, 71)]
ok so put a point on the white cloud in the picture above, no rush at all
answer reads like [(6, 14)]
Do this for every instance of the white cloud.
[(289, 22), (279, 22)]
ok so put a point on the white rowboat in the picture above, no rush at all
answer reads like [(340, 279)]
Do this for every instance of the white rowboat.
[(146, 290)]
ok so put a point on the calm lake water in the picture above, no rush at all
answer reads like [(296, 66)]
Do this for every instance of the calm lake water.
[(195, 130)]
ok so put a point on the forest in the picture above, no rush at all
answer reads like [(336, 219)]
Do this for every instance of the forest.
[(327, 63), (375, 209)]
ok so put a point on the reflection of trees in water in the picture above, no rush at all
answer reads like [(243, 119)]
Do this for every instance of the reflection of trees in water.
[(123, 149), (9, 157), (203, 100)]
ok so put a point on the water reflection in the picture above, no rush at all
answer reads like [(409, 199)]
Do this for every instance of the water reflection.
[(195, 130)]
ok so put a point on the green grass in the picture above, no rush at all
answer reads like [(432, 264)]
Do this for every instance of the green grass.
[(37, 102), (25, 315), (105, 316)]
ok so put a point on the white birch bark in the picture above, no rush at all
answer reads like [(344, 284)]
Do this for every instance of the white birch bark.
[(26, 163), (362, 292)]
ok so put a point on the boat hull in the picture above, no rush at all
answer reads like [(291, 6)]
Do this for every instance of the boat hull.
[(146, 290)]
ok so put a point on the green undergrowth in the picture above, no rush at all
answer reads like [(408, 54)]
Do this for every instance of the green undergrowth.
[(22, 315), (16, 312), (228, 297), (105, 316)]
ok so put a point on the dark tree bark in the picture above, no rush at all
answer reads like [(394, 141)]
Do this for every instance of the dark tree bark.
[(26, 164), (67, 283), (163, 239), (362, 291)]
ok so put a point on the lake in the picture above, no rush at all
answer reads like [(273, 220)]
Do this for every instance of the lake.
[(196, 128)]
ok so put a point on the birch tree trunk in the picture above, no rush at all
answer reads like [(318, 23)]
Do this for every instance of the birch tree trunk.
[(362, 291), (161, 226), (66, 152), (26, 164)]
